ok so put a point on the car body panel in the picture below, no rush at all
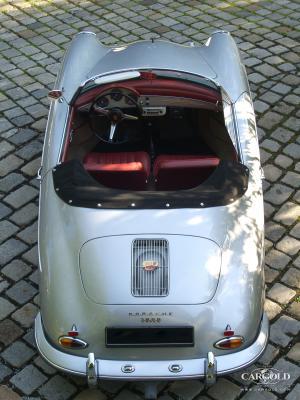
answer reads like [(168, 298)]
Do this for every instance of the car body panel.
[(191, 259)]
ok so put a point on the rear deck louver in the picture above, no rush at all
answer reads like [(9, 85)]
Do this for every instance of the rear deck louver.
[(150, 267)]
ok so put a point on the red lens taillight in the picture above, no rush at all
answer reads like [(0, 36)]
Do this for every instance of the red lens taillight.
[(232, 342), (72, 342)]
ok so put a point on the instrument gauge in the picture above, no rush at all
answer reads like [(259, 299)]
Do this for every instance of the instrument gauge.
[(102, 102), (116, 96)]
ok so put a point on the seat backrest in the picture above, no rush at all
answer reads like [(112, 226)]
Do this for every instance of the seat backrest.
[(122, 170), (178, 172)]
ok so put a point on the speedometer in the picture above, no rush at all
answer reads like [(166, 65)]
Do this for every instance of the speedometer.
[(116, 95)]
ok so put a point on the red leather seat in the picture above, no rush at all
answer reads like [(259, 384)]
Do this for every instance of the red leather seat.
[(126, 170), (175, 172)]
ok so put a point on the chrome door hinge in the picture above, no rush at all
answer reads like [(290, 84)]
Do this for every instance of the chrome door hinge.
[(39, 174)]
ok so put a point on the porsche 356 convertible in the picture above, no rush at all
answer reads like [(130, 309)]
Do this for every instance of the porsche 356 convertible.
[(151, 225)]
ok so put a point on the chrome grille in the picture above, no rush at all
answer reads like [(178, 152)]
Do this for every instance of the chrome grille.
[(147, 252)]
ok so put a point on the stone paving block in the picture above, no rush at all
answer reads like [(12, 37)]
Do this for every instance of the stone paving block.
[(294, 394), (292, 179), (8, 394), (272, 173), (29, 234), (274, 231), (4, 211), (9, 164), (292, 123), (255, 394), (283, 330), (29, 338), (5, 148), (10, 181), (186, 390), (57, 388), (278, 194), (288, 245), (270, 274), (6, 308), (277, 259), (18, 354), (281, 293), (23, 136), (28, 379), (282, 135), (30, 150), (22, 120), (16, 270), (291, 369), (21, 196), (4, 372), (224, 389), (32, 256), (11, 249), (111, 386), (9, 331), (32, 167), (25, 315), (21, 292), (294, 309), (292, 277), (127, 395), (269, 120), (25, 215), (283, 161), (294, 353), (292, 150), (270, 145), (90, 394), (44, 366), (269, 355), (288, 213), (272, 309), (7, 229)]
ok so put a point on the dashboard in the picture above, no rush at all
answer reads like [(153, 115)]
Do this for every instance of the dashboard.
[(152, 105)]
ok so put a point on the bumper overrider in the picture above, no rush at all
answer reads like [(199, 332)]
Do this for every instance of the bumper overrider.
[(207, 368)]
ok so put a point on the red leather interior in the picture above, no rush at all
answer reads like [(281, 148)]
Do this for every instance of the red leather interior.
[(126, 170), (175, 172)]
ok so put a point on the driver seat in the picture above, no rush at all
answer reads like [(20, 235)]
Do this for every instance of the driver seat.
[(123, 170)]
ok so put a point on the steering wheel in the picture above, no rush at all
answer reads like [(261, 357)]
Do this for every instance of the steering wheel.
[(115, 115)]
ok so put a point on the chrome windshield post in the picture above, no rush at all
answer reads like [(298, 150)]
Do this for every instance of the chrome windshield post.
[(210, 369), (91, 372)]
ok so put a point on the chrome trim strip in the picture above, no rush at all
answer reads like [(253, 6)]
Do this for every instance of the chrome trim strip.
[(237, 134), (152, 370)]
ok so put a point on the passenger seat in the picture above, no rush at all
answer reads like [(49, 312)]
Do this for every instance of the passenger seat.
[(178, 172), (122, 170)]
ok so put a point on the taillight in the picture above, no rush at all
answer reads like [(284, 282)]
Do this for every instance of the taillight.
[(227, 343), (72, 342), (55, 94)]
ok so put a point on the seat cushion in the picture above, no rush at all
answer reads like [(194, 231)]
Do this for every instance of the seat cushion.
[(122, 170), (177, 172)]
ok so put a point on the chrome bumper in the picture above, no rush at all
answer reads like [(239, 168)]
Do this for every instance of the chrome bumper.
[(151, 370)]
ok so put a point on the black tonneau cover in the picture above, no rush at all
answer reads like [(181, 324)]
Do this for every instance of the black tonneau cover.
[(76, 187)]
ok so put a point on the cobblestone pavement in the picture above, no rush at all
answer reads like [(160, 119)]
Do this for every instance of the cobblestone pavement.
[(33, 36)]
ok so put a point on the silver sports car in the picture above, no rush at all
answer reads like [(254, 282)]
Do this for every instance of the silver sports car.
[(151, 225)]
